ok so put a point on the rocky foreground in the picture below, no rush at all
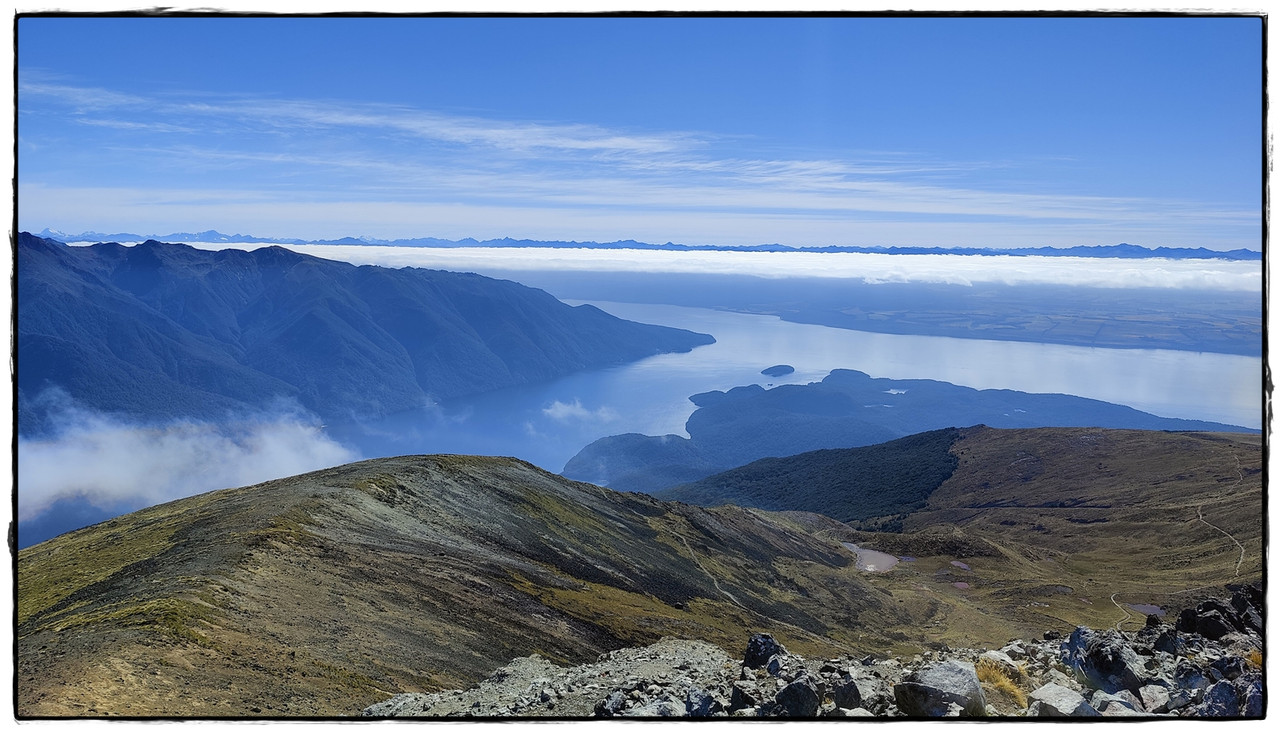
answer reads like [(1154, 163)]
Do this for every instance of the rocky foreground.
[(1207, 664)]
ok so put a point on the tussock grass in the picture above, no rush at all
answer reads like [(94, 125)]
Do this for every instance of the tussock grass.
[(170, 615), (51, 572), (999, 680)]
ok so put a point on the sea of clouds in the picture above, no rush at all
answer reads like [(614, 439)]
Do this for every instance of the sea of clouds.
[(1210, 274)]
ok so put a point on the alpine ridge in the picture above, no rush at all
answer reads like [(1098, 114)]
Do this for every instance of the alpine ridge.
[(325, 593)]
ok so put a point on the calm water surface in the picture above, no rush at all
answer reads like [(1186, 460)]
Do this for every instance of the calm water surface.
[(548, 423)]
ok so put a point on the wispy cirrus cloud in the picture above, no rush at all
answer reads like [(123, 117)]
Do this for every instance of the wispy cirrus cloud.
[(80, 98), (434, 173), (298, 114)]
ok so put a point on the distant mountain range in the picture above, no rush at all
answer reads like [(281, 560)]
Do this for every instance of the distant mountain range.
[(846, 409), (1116, 251), (166, 330)]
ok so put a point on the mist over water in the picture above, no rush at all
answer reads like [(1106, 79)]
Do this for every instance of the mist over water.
[(93, 466)]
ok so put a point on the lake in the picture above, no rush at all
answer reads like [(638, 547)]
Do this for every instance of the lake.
[(548, 423)]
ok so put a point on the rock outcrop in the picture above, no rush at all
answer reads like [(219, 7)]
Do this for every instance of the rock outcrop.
[(1090, 673)]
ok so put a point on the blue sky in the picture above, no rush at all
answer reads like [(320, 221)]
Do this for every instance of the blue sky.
[(858, 131)]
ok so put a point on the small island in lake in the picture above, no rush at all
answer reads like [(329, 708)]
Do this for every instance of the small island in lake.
[(778, 370)]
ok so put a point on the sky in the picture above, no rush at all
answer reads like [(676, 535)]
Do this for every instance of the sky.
[(959, 131)]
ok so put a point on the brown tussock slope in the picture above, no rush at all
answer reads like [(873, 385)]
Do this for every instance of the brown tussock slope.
[(1065, 526), (322, 593)]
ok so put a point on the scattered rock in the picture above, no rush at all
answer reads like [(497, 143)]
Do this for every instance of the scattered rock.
[(663, 708), (1158, 671)]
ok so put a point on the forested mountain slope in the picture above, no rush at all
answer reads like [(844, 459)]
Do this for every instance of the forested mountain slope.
[(166, 330)]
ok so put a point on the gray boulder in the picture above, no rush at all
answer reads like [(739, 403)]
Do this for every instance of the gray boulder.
[(852, 713), (1155, 698), (1249, 614), (799, 698), (1253, 704), (1104, 701), (1054, 700), (612, 705), (1168, 642), (1222, 699), (1103, 660), (745, 694), (1120, 709), (877, 695), (931, 691), (662, 708), (760, 649), (1229, 667), (1214, 625), (1188, 677), (845, 694), (699, 703)]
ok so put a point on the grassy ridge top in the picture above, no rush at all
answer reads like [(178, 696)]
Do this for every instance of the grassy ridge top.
[(322, 593)]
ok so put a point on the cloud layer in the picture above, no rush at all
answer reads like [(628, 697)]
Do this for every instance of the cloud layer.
[(1239, 276), (575, 411), (109, 461)]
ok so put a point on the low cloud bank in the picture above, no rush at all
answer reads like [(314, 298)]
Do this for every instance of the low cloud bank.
[(575, 411), (1241, 276), (107, 461)]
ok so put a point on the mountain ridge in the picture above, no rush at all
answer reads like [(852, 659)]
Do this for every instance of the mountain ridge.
[(212, 332)]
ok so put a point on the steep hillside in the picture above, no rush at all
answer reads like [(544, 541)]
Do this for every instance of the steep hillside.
[(1055, 527), (846, 409), (166, 330), (878, 481), (326, 592)]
